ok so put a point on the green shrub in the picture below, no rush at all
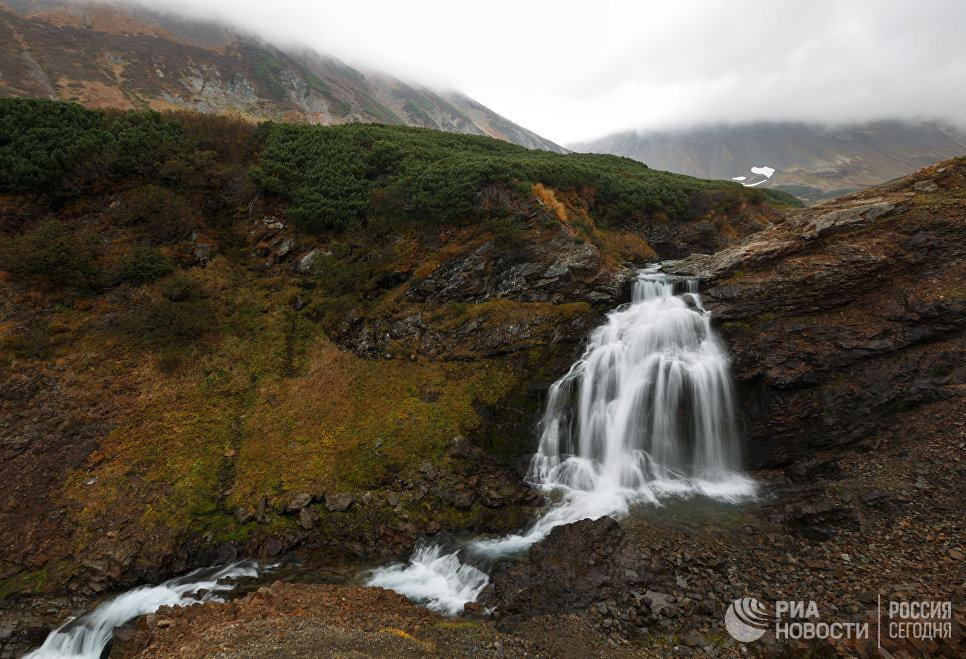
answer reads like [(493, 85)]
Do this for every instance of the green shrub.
[(161, 214), (52, 254), (334, 177), (52, 147), (140, 266), (181, 317)]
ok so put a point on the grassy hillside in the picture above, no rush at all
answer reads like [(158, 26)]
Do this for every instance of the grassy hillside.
[(200, 318)]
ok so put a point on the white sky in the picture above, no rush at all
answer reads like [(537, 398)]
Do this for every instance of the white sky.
[(578, 70)]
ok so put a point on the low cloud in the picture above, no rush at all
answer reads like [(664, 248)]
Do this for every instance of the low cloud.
[(573, 70)]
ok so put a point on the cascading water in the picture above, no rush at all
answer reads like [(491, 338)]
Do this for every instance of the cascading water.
[(85, 637), (648, 411), (649, 406)]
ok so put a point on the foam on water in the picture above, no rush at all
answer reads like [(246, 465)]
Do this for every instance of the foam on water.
[(437, 580), (86, 636), (646, 413)]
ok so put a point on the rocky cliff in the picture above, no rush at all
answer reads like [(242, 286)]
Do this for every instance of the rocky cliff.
[(108, 55), (845, 317)]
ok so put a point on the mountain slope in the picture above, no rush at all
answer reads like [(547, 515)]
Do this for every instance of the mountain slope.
[(106, 56), (811, 161)]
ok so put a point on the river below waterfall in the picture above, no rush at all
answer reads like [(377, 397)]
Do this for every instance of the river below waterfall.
[(643, 420)]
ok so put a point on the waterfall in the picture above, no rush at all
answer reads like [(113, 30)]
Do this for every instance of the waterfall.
[(647, 412), (648, 408), (85, 637)]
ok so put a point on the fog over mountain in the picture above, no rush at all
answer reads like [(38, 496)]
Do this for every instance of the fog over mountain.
[(812, 161), (573, 72), (127, 56)]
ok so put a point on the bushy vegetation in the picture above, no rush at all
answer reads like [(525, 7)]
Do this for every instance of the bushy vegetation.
[(332, 176), (63, 150), (140, 266), (181, 315), (59, 148), (52, 255)]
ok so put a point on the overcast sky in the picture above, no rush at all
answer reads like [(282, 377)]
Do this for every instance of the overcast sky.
[(577, 70)]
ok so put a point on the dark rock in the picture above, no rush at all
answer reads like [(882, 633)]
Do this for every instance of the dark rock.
[(464, 500), (839, 317), (574, 566), (808, 472)]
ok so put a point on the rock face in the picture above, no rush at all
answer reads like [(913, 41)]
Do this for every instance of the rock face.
[(575, 565), (846, 314), (555, 271), (552, 270)]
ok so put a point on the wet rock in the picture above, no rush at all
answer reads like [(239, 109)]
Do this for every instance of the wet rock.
[(339, 502), (574, 566), (260, 510)]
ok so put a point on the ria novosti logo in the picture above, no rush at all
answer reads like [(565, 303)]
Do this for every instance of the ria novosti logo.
[(747, 619)]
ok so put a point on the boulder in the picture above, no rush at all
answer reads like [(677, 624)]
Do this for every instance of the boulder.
[(574, 566), (243, 515), (299, 501), (307, 518), (339, 502), (460, 448)]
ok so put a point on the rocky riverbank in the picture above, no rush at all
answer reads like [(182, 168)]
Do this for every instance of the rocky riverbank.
[(886, 523), (846, 323)]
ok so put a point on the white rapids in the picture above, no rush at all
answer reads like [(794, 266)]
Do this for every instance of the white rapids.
[(647, 412), (86, 636)]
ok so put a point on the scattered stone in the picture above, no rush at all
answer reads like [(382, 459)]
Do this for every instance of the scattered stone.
[(301, 500), (339, 502), (307, 264), (464, 500), (243, 515), (925, 186), (460, 448), (307, 518)]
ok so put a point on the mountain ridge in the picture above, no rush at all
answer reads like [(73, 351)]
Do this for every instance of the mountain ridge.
[(102, 55), (812, 161)]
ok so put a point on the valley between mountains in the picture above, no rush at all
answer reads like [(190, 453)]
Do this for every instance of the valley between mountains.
[(226, 341)]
